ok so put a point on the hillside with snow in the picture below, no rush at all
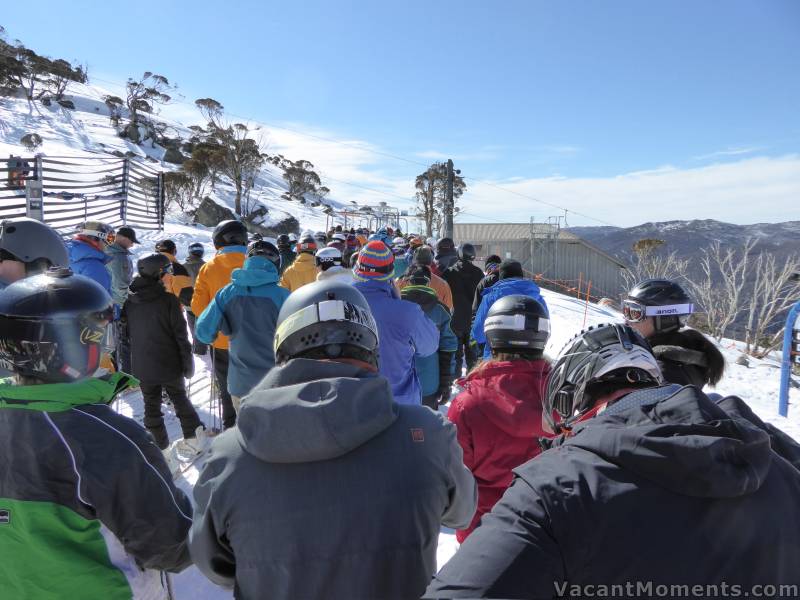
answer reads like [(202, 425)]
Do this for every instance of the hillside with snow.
[(757, 384), (87, 130)]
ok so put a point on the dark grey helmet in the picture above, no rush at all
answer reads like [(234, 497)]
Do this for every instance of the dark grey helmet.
[(611, 354), (53, 325), (466, 252), (153, 266), (34, 243), (229, 233), (326, 319)]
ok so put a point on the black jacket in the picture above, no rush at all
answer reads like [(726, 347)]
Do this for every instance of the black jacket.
[(463, 279), (484, 284), (687, 357), (160, 347), (665, 487)]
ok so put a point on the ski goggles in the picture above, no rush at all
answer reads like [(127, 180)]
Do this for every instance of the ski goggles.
[(636, 312)]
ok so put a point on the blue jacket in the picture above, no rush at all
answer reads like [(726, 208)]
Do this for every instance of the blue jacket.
[(246, 310), (400, 266), (501, 289), (404, 332), (85, 259), (428, 366)]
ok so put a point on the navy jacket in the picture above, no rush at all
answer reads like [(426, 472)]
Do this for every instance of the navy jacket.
[(665, 487), (246, 310)]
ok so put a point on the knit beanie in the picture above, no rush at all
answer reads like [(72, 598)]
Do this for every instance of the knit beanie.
[(375, 262), (510, 268)]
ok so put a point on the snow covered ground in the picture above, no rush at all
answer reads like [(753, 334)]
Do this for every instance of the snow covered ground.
[(757, 384)]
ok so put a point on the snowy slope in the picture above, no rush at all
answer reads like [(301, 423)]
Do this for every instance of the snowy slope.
[(88, 130), (757, 384)]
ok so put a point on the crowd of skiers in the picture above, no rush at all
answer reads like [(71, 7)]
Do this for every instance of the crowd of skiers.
[(333, 352)]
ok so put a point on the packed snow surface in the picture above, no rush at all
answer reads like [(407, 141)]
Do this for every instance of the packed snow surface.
[(757, 384)]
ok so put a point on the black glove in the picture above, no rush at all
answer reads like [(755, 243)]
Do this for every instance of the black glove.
[(445, 376), (188, 370)]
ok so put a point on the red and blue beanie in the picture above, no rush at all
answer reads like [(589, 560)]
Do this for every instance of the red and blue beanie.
[(375, 262)]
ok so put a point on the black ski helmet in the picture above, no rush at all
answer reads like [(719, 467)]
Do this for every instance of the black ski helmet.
[(611, 354), (167, 246), (663, 299), (283, 241), (466, 252), (53, 325), (153, 266), (229, 233), (445, 245), (196, 249), (32, 242), (308, 244), (516, 324), (267, 250), (326, 319)]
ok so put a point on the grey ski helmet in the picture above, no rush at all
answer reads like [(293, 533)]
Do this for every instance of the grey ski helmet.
[(267, 250), (466, 252), (32, 242), (517, 324), (53, 326), (611, 354), (154, 266), (230, 233), (326, 319), (196, 249)]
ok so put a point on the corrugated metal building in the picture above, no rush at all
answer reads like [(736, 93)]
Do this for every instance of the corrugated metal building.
[(547, 250)]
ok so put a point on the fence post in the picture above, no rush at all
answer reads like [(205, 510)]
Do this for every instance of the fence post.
[(791, 346), (123, 205), (160, 204)]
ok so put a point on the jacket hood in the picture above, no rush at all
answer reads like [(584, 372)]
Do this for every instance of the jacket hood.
[(144, 289), (195, 260), (59, 397), (420, 294), (511, 393), (378, 288), (679, 439), (305, 257), (311, 410), (257, 270), (79, 250), (507, 287)]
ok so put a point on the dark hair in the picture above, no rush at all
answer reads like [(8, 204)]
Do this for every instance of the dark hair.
[(493, 259)]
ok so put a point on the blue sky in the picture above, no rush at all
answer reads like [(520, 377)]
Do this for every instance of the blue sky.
[(562, 100)]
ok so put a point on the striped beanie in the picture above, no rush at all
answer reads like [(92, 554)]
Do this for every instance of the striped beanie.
[(375, 262)]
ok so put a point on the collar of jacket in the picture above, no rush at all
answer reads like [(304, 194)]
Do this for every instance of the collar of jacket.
[(257, 270), (230, 249), (373, 286), (59, 397), (115, 248)]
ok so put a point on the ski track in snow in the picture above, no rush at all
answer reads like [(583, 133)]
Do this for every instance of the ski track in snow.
[(757, 384), (87, 129)]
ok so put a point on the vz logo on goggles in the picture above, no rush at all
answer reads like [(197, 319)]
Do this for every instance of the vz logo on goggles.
[(91, 336)]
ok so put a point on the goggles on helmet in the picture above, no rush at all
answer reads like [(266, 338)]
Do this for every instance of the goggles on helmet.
[(636, 312)]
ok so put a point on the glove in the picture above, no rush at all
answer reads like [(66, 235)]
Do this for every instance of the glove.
[(188, 370), (445, 376)]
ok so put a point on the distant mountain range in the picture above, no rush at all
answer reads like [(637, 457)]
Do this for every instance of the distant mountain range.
[(687, 238)]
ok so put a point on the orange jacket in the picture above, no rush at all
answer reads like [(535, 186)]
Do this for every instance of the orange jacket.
[(302, 271), (439, 285), (179, 279), (213, 276)]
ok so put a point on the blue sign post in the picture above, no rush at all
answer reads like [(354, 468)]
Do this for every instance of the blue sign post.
[(791, 355)]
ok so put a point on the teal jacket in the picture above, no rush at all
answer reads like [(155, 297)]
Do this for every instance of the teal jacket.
[(246, 310), (88, 508)]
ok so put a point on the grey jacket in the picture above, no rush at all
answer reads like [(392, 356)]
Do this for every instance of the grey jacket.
[(328, 489), (121, 268)]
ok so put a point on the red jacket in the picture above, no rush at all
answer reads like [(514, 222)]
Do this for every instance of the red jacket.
[(498, 416)]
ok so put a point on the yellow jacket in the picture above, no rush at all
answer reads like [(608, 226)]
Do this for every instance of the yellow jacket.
[(213, 276), (302, 271)]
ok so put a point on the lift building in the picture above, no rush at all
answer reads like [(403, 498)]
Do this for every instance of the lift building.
[(548, 250)]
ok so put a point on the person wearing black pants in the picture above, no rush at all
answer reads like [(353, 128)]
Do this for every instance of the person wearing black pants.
[(154, 418), (220, 358), (161, 354)]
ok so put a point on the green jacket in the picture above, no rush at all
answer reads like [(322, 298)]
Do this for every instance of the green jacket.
[(121, 268), (88, 508)]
